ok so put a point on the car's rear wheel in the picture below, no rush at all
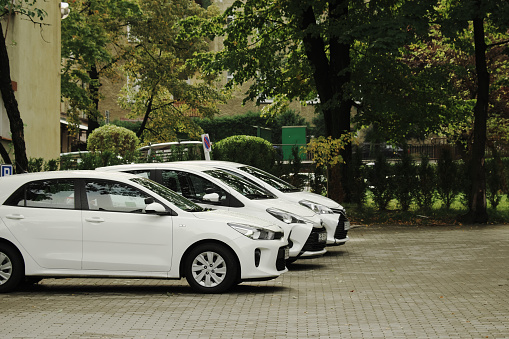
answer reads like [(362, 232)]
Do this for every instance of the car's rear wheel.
[(211, 268), (11, 268)]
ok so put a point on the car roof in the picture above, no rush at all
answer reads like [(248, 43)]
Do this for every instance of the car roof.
[(155, 165), (212, 163)]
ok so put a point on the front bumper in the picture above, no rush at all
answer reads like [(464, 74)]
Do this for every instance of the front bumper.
[(337, 226)]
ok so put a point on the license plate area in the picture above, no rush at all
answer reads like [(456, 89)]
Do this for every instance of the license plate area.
[(322, 237)]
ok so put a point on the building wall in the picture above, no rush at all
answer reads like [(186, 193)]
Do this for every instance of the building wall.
[(34, 56)]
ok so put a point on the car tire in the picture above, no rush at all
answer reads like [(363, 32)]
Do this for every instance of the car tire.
[(12, 268), (211, 268)]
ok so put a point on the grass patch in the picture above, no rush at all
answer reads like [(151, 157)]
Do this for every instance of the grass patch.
[(438, 215)]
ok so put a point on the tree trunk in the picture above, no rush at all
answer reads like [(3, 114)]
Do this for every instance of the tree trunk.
[(11, 106), (330, 78), (477, 201)]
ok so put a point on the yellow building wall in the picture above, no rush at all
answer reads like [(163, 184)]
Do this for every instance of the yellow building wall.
[(34, 56)]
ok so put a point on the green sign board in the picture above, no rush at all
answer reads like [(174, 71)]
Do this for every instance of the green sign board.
[(293, 136)]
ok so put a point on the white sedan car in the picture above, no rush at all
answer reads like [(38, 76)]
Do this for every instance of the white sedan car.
[(98, 224), (333, 214), (217, 189)]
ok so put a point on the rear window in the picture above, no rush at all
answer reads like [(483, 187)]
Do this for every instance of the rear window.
[(58, 193)]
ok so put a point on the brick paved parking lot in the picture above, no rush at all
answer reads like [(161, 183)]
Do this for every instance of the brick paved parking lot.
[(386, 282)]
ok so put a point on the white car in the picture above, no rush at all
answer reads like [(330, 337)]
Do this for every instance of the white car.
[(333, 214), (213, 188), (98, 224)]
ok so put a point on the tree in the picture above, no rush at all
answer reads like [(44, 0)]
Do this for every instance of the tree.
[(93, 44), (479, 17), (26, 9), (304, 50), (165, 87)]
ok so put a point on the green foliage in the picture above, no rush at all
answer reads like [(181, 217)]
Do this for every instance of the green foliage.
[(90, 161), (245, 124), (405, 180), (166, 87), (111, 140), (39, 165), (35, 165), (93, 45), (448, 176), (494, 180), (357, 174), (26, 8), (294, 167), (425, 193), (318, 181), (130, 125), (245, 149), (380, 178), (326, 151)]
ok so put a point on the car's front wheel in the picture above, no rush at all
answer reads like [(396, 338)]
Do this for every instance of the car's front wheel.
[(211, 268), (11, 268)]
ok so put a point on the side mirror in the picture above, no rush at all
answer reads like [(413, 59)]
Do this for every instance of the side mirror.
[(212, 197), (155, 208)]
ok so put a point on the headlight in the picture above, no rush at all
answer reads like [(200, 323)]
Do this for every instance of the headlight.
[(256, 233), (287, 217), (317, 208)]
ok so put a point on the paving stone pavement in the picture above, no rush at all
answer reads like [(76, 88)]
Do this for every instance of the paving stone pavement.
[(386, 282)]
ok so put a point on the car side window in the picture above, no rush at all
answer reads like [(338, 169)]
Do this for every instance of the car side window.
[(204, 188), (56, 193), (114, 197), (170, 179), (193, 187)]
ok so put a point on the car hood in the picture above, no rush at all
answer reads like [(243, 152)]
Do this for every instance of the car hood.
[(233, 217), (317, 198)]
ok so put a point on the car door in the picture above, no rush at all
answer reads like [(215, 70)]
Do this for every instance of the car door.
[(43, 217), (117, 233)]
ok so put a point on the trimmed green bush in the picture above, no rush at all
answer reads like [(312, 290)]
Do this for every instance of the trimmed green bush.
[(112, 141), (405, 182), (494, 180), (425, 193), (357, 172), (448, 177), (247, 150), (39, 165), (381, 182)]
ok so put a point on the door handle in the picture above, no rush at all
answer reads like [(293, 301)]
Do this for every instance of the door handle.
[(15, 216), (95, 220)]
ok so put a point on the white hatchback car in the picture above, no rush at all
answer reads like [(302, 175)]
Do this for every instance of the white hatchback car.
[(217, 189), (98, 224), (333, 214)]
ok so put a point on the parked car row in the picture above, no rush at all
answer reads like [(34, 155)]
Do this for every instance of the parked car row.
[(201, 221)]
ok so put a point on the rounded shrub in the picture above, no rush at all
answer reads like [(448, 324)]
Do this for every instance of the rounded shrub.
[(113, 140), (245, 149)]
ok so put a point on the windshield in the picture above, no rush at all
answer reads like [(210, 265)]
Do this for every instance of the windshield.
[(168, 194), (269, 179), (244, 187)]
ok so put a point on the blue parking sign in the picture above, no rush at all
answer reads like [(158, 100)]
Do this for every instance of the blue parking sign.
[(5, 170)]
